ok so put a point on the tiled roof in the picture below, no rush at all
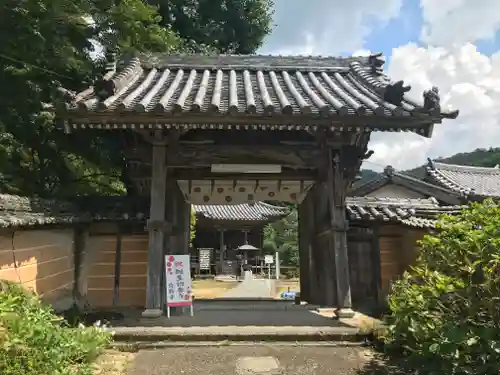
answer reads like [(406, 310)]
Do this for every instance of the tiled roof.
[(16, 211), (137, 208), (391, 176), (259, 211), (210, 87), (469, 181), (412, 212)]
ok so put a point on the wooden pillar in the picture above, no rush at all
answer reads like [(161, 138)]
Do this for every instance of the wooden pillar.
[(377, 276), (319, 247), (157, 227), (304, 241), (222, 247), (312, 250), (338, 224), (177, 241), (327, 262)]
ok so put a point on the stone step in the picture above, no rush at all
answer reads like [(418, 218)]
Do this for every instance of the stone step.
[(236, 333)]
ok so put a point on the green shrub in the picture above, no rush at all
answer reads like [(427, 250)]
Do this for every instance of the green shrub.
[(34, 341), (291, 273), (445, 312)]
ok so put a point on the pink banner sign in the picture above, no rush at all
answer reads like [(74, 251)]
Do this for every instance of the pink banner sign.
[(179, 286)]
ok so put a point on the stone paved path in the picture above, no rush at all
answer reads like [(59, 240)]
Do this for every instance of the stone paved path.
[(235, 313), (254, 288), (253, 360)]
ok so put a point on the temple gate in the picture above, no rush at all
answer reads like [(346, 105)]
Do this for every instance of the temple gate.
[(236, 129)]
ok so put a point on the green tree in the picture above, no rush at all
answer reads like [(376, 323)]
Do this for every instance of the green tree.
[(230, 26), (445, 313), (47, 44), (282, 237), (192, 226)]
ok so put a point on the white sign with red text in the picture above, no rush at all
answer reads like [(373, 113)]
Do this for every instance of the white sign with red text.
[(178, 280)]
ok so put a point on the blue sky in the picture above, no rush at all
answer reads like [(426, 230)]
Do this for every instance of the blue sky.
[(451, 44), (397, 31)]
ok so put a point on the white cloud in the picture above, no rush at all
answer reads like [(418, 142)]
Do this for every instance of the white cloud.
[(336, 26), (448, 22), (468, 81), (361, 53)]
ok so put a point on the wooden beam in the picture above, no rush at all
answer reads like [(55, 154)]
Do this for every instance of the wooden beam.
[(206, 174), (206, 155), (156, 120)]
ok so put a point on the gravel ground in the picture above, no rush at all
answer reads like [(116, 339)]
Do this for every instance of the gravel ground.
[(256, 360)]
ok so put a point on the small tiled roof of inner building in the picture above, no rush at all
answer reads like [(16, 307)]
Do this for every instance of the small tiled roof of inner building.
[(421, 213), (215, 91), (258, 211), (470, 181)]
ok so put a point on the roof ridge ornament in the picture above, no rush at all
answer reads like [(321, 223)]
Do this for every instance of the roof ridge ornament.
[(376, 62), (389, 171), (62, 98), (117, 74), (432, 100), (394, 92), (430, 163), (103, 85)]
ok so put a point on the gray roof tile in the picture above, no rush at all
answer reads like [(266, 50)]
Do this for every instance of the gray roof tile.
[(469, 181), (421, 213), (16, 211), (259, 211), (254, 85)]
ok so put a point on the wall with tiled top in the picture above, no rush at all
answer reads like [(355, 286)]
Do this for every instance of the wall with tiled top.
[(42, 261)]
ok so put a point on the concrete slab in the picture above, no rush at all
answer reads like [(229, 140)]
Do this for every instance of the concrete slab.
[(257, 365), (252, 288), (227, 360)]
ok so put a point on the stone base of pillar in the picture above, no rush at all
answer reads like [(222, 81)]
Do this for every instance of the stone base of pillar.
[(152, 313), (345, 313)]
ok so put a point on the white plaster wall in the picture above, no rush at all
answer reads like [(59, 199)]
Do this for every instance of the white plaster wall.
[(395, 191)]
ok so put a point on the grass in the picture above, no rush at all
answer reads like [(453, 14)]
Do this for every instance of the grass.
[(283, 285), (113, 362), (208, 289)]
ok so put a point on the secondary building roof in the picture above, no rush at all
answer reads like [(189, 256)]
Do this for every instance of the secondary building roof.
[(261, 92), (392, 177), (421, 213), (472, 182)]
